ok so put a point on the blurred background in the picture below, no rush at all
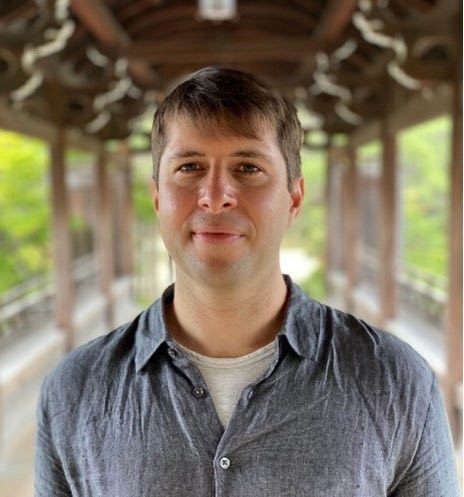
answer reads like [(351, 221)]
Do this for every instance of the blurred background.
[(378, 88)]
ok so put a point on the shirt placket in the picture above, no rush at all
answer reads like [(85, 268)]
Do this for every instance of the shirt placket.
[(223, 445)]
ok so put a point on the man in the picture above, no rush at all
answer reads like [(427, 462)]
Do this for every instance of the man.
[(235, 383)]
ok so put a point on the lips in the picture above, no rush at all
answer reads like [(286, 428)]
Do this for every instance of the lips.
[(218, 235), (216, 232)]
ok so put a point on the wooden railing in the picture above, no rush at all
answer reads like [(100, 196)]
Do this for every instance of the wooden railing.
[(31, 305), (419, 291), (423, 291)]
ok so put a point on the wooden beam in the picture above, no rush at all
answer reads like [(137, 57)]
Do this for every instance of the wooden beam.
[(104, 235), (312, 7), (285, 12), (415, 110), (127, 220), (183, 13), (335, 18), (20, 122), (249, 28), (62, 246), (419, 108), (97, 17), (351, 226), (272, 49), (365, 133), (15, 10), (388, 222), (455, 302), (429, 71), (330, 224)]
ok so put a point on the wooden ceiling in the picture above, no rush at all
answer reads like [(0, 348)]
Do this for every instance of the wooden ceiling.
[(96, 65)]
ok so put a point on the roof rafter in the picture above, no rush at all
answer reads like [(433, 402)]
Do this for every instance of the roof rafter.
[(187, 13), (334, 20), (286, 49), (104, 26)]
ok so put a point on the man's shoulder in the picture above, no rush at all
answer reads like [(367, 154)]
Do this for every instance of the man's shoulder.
[(93, 360), (368, 351)]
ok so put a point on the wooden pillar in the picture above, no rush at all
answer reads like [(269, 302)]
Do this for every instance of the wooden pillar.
[(62, 245), (351, 225), (329, 240), (388, 225), (454, 308), (105, 234), (127, 213)]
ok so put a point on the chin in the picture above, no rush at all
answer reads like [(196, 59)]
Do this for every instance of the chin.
[(220, 271), (223, 259)]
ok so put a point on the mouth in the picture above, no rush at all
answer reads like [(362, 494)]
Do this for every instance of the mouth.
[(213, 236)]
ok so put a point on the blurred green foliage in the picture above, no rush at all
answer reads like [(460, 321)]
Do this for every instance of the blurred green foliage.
[(141, 189), (25, 209), (424, 165), (308, 231)]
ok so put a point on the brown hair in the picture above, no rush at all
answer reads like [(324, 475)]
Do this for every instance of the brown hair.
[(232, 101)]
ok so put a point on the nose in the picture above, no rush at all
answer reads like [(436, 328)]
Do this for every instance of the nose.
[(216, 193)]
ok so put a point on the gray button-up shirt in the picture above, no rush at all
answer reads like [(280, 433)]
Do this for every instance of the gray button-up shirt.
[(345, 410)]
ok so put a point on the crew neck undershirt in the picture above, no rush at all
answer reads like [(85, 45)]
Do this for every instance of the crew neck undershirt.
[(226, 377)]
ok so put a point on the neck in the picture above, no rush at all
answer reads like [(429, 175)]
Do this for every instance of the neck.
[(229, 321)]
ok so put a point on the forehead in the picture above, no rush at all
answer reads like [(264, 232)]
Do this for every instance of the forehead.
[(181, 129)]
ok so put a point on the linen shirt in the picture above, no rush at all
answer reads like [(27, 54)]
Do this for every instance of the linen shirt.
[(344, 410)]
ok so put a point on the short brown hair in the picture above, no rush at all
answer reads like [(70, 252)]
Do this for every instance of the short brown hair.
[(235, 102)]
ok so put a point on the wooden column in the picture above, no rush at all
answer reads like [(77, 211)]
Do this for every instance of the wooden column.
[(329, 241), (105, 234), (127, 213), (351, 231), (64, 296), (454, 309), (388, 228)]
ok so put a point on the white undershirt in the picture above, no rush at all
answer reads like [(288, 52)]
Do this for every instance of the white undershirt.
[(227, 377)]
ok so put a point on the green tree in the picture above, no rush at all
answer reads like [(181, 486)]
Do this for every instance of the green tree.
[(424, 161), (24, 204)]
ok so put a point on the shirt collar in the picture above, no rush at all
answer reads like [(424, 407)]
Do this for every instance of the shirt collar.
[(303, 321), (301, 326), (152, 331)]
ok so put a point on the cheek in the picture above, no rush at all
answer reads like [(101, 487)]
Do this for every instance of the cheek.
[(167, 201), (171, 197), (174, 208), (271, 212), (273, 204)]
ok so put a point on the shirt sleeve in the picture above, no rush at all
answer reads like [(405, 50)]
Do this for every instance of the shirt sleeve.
[(432, 472), (49, 478)]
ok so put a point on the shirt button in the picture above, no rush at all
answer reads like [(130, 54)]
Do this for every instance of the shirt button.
[(172, 353), (224, 463), (198, 392)]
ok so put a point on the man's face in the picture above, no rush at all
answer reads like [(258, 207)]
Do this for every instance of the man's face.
[(222, 201)]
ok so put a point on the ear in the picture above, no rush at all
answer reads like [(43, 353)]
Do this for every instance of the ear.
[(155, 195), (296, 199)]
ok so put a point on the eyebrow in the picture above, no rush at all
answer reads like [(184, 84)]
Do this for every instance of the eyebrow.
[(184, 154), (247, 154), (251, 154)]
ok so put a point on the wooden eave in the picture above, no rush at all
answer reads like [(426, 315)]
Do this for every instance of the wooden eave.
[(153, 43)]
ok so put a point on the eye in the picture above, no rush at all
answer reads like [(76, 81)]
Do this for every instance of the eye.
[(249, 168), (189, 167)]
